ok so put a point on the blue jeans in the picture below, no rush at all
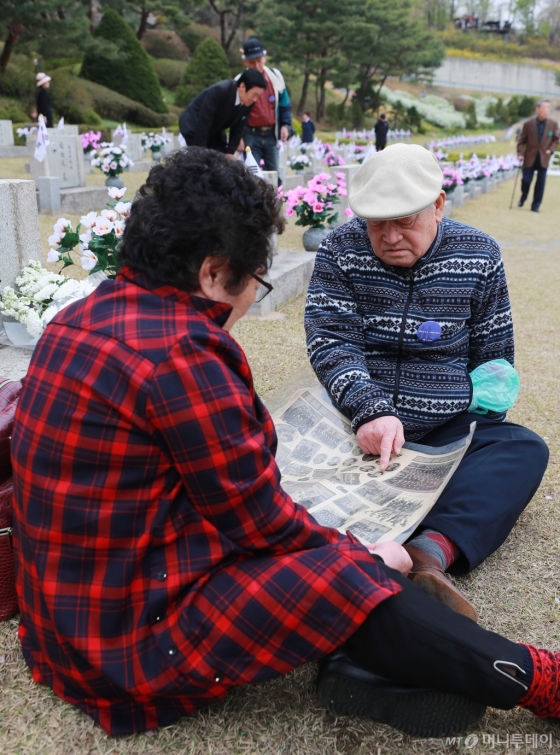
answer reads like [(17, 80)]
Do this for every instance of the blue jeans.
[(263, 146)]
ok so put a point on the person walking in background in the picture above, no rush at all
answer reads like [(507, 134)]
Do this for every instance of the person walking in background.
[(43, 100), (381, 128), (538, 140), (271, 118), (224, 105), (307, 128)]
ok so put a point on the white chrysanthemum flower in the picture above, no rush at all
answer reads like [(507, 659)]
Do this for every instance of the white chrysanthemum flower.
[(48, 314), (33, 324), (88, 260), (46, 293), (114, 165), (115, 193), (88, 221), (117, 151), (67, 289), (53, 256)]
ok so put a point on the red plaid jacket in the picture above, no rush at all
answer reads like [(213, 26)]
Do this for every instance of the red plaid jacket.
[(159, 562)]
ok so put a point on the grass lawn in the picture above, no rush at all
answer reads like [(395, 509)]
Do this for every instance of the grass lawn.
[(515, 591)]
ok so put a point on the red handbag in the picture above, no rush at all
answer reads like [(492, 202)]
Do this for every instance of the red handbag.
[(9, 394)]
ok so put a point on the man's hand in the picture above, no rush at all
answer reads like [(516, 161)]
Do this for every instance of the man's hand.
[(547, 152), (284, 133), (382, 436), (230, 156), (241, 146), (393, 554)]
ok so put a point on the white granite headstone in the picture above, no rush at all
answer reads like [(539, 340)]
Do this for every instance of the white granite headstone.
[(6, 134), (64, 159), (134, 147)]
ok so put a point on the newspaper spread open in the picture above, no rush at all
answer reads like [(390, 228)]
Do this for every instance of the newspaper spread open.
[(324, 469)]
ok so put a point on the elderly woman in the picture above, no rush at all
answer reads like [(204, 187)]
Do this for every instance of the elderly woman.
[(159, 561)]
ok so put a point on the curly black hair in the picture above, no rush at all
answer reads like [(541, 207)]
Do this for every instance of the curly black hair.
[(197, 204)]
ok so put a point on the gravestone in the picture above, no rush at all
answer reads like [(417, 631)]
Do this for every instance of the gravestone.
[(70, 130), (20, 239), (134, 148), (6, 134), (64, 159)]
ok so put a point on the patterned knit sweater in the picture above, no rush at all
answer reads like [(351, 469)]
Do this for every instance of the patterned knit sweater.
[(362, 318)]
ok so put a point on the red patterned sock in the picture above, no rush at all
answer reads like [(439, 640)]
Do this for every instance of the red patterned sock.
[(543, 696), (437, 545)]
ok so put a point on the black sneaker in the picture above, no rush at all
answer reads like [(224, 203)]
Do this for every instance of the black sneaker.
[(521, 203), (345, 687)]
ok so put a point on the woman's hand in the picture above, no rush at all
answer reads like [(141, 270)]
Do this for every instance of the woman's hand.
[(393, 554)]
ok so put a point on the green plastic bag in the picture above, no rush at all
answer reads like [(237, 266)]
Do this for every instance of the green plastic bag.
[(495, 387)]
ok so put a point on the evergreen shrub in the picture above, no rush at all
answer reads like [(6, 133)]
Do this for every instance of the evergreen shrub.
[(117, 107), (209, 64), (71, 99), (169, 72), (158, 47), (130, 72), (10, 110)]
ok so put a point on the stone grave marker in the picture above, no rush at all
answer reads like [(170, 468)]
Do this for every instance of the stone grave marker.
[(20, 239), (6, 134), (134, 147), (64, 159)]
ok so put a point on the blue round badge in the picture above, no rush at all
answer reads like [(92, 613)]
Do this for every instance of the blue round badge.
[(429, 331), (271, 98)]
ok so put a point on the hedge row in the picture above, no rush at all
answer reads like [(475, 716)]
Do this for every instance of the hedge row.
[(117, 107), (169, 72)]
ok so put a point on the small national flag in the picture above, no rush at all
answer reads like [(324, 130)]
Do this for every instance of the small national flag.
[(42, 141), (60, 124), (251, 163)]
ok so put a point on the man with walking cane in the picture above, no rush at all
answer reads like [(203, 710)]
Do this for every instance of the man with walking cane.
[(538, 140)]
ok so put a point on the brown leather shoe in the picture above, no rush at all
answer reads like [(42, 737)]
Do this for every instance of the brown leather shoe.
[(427, 573)]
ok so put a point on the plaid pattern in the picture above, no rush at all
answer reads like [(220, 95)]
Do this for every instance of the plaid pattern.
[(159, 562)]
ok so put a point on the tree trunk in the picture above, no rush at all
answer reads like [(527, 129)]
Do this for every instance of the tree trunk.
[(94, 14), (13, 31), (144, 13), (321, 103), (303, 98)]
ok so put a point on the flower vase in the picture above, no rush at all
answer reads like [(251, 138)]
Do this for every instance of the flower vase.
[(18, 335), (115, 181), (313, 237), (156, 155)]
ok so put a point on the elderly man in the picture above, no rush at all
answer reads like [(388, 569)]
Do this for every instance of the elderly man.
[(271, 118), (537, 142), (403, 304)]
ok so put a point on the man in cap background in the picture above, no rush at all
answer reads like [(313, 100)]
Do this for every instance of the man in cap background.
[(403, 304), (271, 118)]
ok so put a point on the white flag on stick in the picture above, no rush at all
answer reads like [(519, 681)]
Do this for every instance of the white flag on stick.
[(60, 124), (42, 141), (182, 141), (124, 134), (251, 164)]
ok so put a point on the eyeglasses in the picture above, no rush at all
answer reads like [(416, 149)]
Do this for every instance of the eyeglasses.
[(264, 289)]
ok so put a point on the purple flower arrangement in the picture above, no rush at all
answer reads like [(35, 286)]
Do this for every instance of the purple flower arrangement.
[(91, 140), (313, 204)]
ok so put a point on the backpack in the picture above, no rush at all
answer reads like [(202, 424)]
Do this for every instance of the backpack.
[(9, 395)]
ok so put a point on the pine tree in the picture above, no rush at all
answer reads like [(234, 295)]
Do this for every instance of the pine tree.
[(119, 62), (209, 64)]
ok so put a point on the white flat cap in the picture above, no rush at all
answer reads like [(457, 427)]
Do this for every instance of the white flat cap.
[(401, 180)]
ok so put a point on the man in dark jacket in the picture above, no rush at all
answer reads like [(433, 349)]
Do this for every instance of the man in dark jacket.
[(538, 140), (224, 105), (381, 128), (402, 306)]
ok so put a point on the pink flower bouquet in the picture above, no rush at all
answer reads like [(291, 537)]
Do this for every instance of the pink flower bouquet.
[(313, 204)]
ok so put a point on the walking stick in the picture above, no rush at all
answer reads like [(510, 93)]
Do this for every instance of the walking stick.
[(514, 185)]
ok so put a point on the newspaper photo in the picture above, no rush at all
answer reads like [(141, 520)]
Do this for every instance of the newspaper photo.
[(324, 469)]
